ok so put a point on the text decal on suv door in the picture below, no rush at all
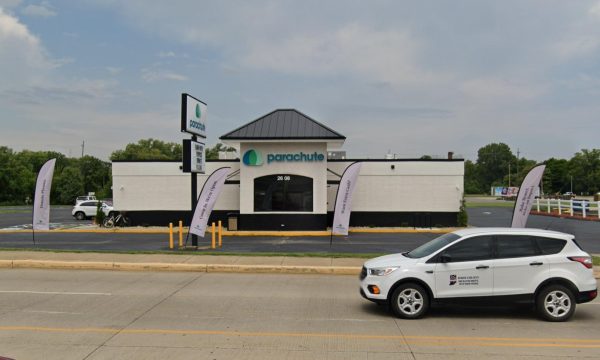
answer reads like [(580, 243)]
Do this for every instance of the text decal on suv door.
[(464, 280)]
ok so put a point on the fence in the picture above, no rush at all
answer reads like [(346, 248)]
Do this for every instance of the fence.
[(579, 208)]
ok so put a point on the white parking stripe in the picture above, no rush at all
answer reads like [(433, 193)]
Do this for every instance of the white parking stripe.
[(51, 292)]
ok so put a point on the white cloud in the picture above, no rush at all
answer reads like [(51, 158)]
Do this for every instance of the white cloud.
[(499, 90), (113, 70), (9, 3), (23, 60), (166, 54), (354, 50), (152, 75), (595, 9), (44, 9)]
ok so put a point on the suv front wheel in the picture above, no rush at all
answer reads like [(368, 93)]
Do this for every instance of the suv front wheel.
[(410, 301), (555, 303)]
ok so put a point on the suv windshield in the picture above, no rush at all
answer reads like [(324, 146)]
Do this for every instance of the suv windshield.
[(432, 246)]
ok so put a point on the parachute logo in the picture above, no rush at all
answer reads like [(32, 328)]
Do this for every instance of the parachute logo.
[(252, 158)]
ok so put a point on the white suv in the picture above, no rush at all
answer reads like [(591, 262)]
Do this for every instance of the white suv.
[(87, 209), (506, 264)]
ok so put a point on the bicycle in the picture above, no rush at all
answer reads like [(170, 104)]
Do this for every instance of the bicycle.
[(119, 220)]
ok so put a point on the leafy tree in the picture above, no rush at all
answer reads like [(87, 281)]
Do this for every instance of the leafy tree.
[(67, 185), (556, 176), (213, 152), (96, 176), (492, 164), (472, 185), (149, 149), (585, 169)]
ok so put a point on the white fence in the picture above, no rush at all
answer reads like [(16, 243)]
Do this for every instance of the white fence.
[(580, 208)]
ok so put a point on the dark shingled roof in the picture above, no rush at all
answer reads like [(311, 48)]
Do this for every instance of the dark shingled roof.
[(283, 124)]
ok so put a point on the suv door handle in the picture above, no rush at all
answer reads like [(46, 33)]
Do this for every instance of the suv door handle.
[(536, 263), (482, 267)]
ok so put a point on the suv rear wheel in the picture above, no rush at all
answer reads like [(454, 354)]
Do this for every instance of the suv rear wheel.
[(79, 215), (410, 301), (555, 303)]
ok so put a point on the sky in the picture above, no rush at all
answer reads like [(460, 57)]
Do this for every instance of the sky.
[(409, 78)]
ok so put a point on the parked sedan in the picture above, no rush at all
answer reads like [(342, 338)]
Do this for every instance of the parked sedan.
[(87, 209)]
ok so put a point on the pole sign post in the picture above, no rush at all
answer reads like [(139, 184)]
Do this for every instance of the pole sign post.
[(193, 121), (193, 115)]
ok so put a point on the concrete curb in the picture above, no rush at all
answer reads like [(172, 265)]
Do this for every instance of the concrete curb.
[(179, 267), (208, 268)]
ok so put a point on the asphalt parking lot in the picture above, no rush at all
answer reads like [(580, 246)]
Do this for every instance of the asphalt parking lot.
[(586, 233)]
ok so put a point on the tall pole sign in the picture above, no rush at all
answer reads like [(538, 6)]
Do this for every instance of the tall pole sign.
[(193, 121)]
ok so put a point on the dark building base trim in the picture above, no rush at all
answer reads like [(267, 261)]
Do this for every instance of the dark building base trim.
[(298, 221), (283, 222)]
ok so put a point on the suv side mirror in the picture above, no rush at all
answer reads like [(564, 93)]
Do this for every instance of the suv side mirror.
[(445, 258)]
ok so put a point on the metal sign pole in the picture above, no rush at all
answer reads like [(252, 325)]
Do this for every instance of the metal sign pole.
[(194, 198)]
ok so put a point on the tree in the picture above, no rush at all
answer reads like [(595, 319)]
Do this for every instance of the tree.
[(556, 176), (67, 185), (585, 169), (213, 153), (96, 176), (472, 185), (492, 164), (149, 149)]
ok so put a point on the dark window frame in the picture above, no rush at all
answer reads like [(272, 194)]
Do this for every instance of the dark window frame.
[(533, 242), (276, 187), (490, 254)]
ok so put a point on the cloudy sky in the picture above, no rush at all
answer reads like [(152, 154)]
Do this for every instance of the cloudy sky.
[(405, 77)]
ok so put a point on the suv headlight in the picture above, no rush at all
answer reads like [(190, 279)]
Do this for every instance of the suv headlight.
[(382, 271)]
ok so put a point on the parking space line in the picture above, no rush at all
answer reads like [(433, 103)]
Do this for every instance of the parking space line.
[(52, 292)]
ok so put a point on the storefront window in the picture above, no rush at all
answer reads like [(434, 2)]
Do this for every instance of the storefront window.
[(283, 192)]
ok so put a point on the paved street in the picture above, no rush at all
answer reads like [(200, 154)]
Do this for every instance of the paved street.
[(53, 314)]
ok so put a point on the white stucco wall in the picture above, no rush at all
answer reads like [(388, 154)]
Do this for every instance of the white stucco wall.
[(412, 186), (163, 186)]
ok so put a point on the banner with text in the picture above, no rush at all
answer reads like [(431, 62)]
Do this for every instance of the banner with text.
[(41, 202), (343, 200), (207, 199), (526, 196)]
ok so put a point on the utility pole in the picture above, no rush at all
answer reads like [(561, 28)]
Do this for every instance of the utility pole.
[(518, 152), (509, 174), (82, 147)]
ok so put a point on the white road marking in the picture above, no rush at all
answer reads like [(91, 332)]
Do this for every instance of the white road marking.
[(51, 292), (52, 312)]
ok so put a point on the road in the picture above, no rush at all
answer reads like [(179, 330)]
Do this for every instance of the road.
[(120, 315)]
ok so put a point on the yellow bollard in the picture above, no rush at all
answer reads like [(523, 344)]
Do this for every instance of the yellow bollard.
[(212, 246), (180, 233), (170, 235), (220, 234)]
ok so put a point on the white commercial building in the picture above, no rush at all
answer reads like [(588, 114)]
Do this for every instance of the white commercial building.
[(285, 181)]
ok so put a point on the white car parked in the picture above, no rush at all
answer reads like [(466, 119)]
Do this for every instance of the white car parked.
[(547, 268), (87, 209)]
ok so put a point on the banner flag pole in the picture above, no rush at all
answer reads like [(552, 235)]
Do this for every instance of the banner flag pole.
[(343, 204)]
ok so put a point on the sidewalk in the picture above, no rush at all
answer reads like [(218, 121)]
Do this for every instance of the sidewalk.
[(192, 263)]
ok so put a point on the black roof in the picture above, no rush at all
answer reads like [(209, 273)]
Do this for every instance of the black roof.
[(283, 124)]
